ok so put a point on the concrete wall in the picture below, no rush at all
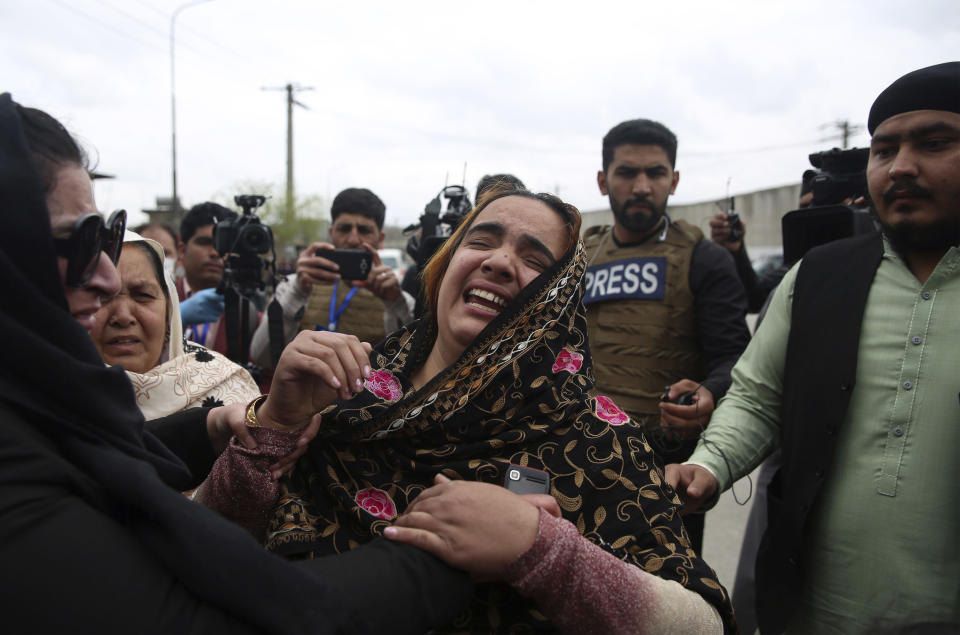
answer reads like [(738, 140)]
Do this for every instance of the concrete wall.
[(761, 212)]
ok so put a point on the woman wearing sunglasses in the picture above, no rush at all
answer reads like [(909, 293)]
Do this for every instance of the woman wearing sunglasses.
[(94, 535), (87, 247)]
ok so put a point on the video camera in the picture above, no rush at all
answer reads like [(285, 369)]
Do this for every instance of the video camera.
[(435, 229), (840, 176), (241, 241), (243, 234)]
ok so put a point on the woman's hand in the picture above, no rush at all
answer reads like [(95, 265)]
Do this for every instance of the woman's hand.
[(225, 422), (315, 369), (285, 464), (478, 527)]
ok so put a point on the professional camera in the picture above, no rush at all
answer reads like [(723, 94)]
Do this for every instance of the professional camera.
[(434, 227), (458, 205), (243, 234), (242, 240), (840, 177), (841, 174)]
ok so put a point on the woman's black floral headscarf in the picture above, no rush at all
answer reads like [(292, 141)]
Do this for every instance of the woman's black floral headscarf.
[(519, 394)]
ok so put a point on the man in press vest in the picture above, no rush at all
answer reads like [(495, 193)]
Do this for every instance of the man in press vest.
[(665, 308)]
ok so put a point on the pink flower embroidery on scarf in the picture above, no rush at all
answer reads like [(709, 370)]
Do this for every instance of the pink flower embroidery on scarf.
[(383, 384), (377, 503), (570, 361), (610, 412)]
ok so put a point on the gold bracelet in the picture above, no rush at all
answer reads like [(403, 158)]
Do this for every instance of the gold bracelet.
[(252, 420)]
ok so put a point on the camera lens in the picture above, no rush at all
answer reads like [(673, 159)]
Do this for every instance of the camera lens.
[(255, 239)]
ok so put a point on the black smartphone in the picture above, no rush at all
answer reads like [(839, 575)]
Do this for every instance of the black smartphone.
[(526, 480), (686, 399), (355, 264)]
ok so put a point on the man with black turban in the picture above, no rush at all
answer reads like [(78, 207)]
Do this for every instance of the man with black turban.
[(854, 375)]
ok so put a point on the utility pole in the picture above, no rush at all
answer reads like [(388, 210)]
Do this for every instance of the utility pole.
[(846, 130), (290, 89)]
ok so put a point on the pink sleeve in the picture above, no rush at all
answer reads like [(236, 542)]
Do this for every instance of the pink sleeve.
[(582, 588), (239, 485)]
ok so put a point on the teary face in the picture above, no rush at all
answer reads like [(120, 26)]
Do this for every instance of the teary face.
[(511, 242)]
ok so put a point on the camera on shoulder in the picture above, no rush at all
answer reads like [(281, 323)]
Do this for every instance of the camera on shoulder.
[(838, 180)]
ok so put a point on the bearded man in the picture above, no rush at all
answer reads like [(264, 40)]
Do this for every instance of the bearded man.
[(854, 377), (665, 308)]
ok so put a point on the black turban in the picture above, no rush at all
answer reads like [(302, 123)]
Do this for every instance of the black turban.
[(931, 88)]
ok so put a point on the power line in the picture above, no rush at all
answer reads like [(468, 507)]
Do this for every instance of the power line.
[(495, 144), (845, 130), (133, 18), (195, 32), (104, 25), (757, 150), (160, 32), (160, 12)]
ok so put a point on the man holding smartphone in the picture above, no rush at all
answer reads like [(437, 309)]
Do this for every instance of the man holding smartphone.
[(319, 297)]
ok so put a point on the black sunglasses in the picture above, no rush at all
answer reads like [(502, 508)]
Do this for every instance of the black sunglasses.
[(89, 236)]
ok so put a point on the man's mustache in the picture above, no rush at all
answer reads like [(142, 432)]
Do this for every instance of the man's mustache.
[(639, 201), (911, 190)]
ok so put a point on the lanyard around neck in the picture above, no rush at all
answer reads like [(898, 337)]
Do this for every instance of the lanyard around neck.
[(337, 311), (200, 330)]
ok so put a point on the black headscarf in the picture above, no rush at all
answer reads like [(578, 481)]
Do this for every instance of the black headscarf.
[(54, 378), (520, 393)]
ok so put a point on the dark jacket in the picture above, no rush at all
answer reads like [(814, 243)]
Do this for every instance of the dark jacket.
[(73, 565)]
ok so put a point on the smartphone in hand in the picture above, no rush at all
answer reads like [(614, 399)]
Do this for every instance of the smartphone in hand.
[(355, 264)]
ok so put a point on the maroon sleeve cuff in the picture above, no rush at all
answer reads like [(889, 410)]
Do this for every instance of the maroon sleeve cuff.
[(240, 486), (535, 562)]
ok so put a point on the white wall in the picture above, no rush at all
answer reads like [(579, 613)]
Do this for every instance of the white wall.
[(760, 211)]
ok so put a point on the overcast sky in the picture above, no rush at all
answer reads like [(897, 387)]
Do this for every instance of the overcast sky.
[(405, 93)]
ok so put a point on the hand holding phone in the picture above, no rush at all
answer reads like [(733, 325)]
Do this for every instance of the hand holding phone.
[(320, 263), (382, 282), (313, 270), (354, 264)]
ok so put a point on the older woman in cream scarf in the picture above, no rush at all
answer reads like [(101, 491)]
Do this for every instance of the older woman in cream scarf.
[(140, 329)]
